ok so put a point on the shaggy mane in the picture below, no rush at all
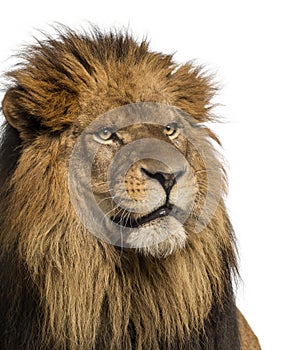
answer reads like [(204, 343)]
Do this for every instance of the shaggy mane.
[(61, 288)]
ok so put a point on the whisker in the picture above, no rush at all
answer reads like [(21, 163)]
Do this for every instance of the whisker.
[(110, 211)]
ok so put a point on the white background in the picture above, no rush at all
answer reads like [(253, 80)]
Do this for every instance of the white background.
[(248, 45)]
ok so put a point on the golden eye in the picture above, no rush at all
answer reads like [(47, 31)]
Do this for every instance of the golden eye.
[(171, 130), (104, 135)]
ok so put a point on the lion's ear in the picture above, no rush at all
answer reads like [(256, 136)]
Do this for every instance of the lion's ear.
[(16, 114)]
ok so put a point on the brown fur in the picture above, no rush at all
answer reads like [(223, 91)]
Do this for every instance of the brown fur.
[(249, 341), (61, 288)]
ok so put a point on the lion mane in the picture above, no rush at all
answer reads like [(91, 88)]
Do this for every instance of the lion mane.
[(61, 287)]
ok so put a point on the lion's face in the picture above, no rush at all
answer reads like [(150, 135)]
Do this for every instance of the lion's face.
[(146, 198), (142, 179)]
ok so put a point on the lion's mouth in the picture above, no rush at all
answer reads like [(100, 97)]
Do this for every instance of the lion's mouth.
[(162, 211)]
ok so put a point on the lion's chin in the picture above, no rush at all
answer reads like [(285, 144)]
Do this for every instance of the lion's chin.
[(158, 238)]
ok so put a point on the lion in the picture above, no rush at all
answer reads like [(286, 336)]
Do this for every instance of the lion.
[(67, 282)]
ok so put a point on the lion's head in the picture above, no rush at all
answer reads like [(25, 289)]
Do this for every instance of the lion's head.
[(112, 198)]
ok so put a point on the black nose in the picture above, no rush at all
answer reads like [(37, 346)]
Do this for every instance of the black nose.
[(167, 180)]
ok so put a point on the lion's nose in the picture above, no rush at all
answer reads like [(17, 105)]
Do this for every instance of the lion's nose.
[(167, 180)]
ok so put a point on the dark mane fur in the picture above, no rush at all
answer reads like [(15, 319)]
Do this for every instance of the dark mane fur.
[(10, 148)]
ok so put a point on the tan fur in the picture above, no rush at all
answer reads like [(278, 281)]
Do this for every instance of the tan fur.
[(249, 341), (73, 273)]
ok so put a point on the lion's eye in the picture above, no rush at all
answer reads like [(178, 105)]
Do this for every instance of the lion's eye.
[(104, 135), (171, 130)]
